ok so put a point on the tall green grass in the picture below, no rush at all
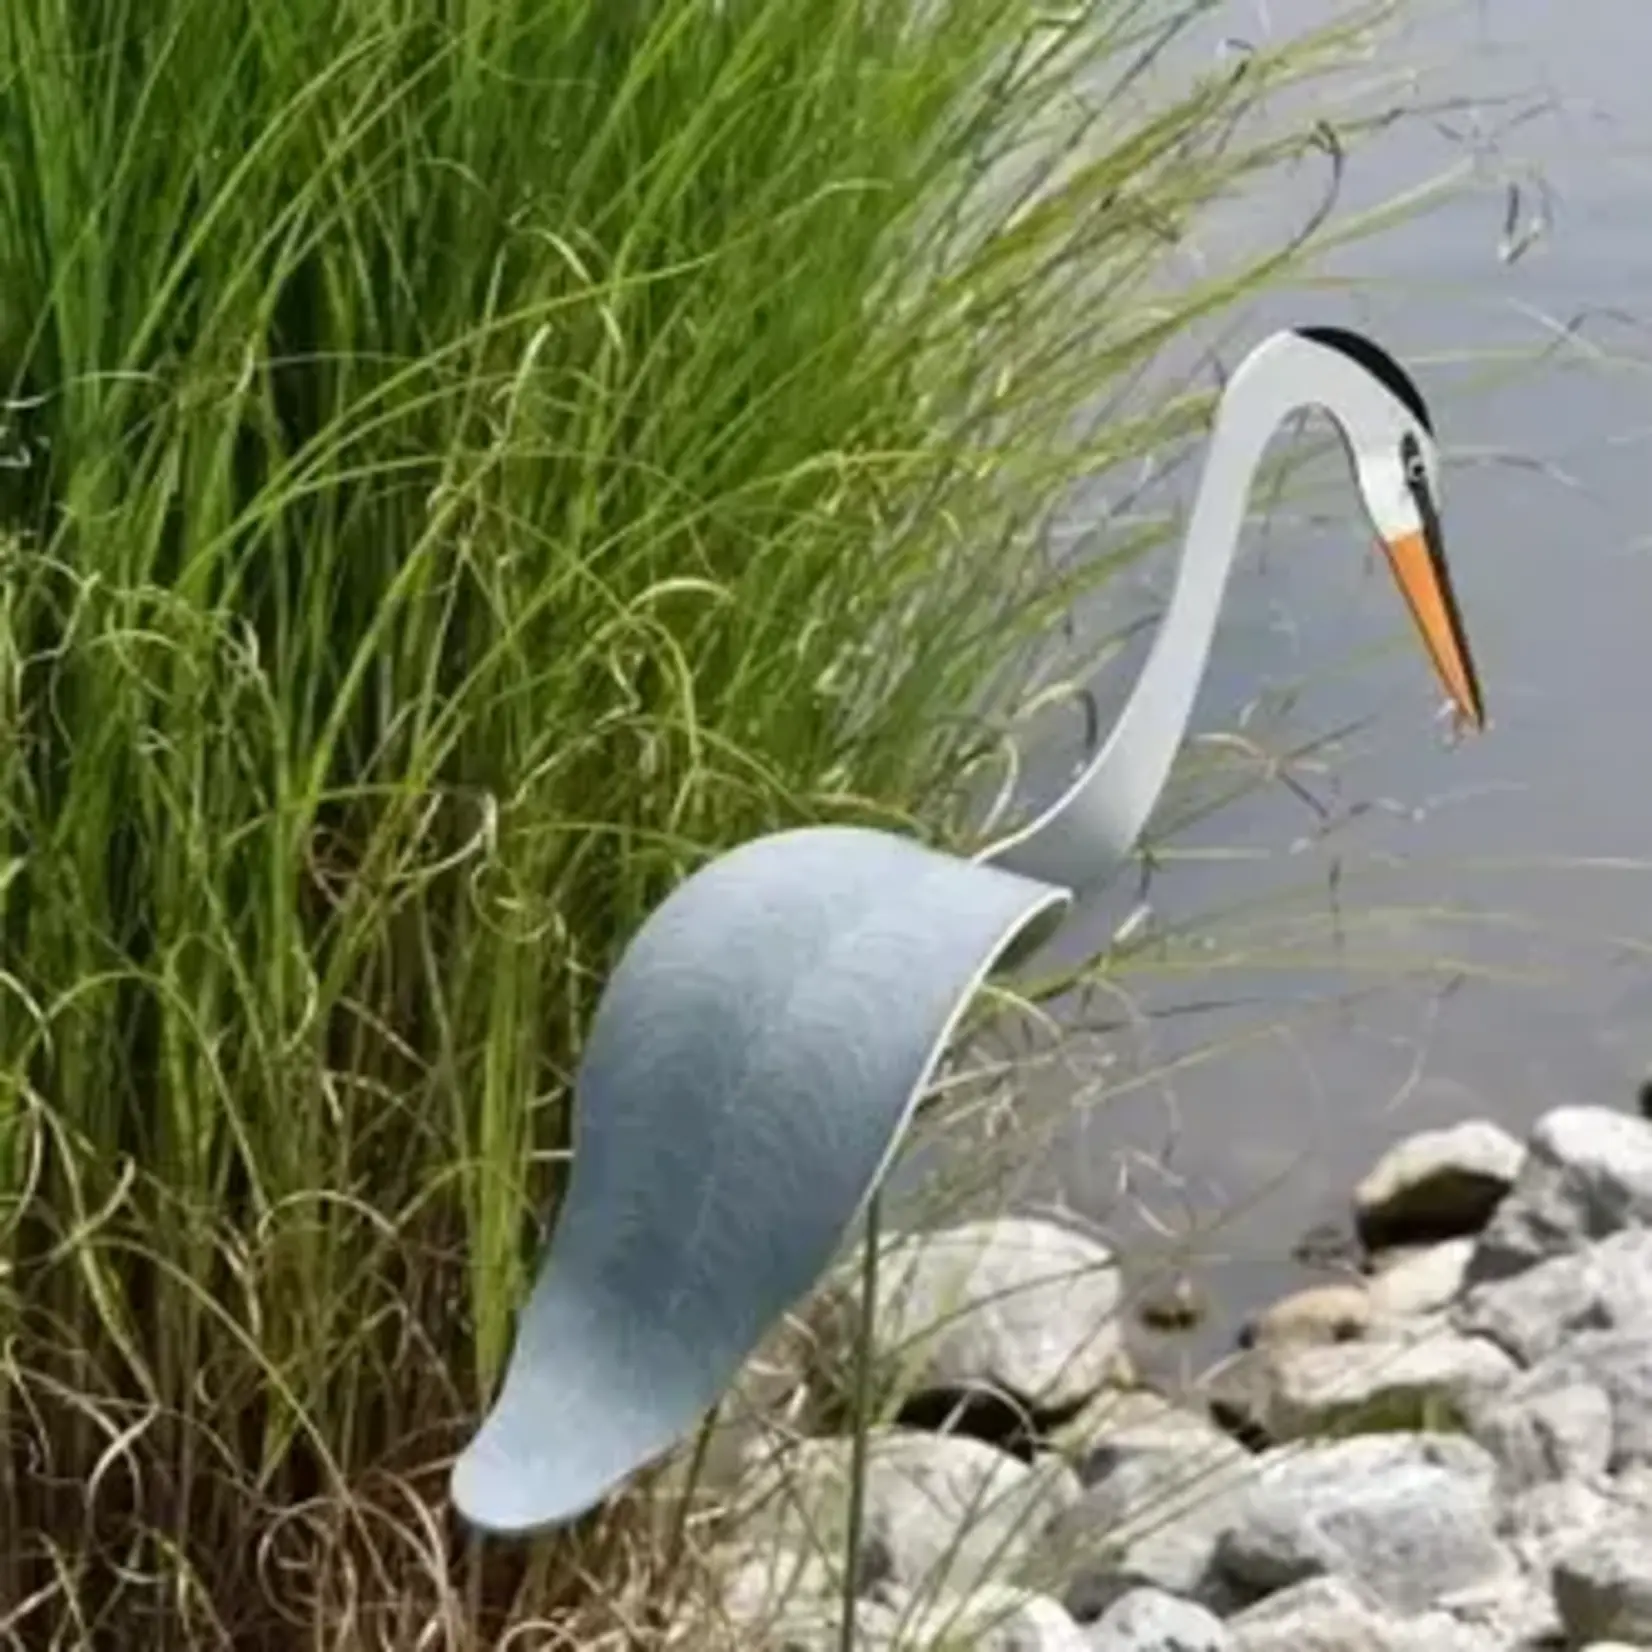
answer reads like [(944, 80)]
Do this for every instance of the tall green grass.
[(469, 461)]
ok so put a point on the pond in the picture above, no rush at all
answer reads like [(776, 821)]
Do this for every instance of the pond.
[(1518, 864)]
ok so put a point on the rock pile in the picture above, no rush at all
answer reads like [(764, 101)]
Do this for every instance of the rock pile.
[(1450, 1452)]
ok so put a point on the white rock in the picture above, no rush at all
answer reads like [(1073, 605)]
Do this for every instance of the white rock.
[(1632, 1486), (1125, 1426), (1437, 1184), (1317, 1315), (1237, 1390), (1441, 1632), (1410, 1517), (1149, 1620), (1619, 1363), (786, 1602), (1604, 1287), (1587, 1174), (1542, 1429), (940, 1511), (1512, 1612), (1603, 1584), (758, 1586), (1542, 1521), (992, 1618), (1152, 1520), (1428, 1383), (790, 1600), (1420, 1281), (1322, 1614), (1314, 1618), (1015, 1304)]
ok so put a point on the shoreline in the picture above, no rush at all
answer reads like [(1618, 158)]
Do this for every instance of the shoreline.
[(1447, 1449)]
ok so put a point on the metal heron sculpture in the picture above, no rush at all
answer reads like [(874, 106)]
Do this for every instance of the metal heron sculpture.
[(760, 1048)]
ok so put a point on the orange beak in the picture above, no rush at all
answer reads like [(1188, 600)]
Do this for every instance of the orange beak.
[(1419, 565)]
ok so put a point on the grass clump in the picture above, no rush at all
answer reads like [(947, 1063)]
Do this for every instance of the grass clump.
[(468, 462)]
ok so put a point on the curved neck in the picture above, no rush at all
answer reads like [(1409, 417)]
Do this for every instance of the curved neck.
[(1095, 824)]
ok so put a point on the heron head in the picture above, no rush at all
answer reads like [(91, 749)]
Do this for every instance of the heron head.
[(1396, 463)]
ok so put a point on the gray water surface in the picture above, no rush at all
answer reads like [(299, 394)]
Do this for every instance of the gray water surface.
[(1538, 836)]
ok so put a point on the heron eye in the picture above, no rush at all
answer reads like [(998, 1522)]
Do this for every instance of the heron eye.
[(1412, 464)]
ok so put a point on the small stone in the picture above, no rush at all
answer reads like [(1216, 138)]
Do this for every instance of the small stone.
[(1149, 1620), (1176, 1306), (1238, 1391), (1438, 1184), (1329, 1246), (1319, 1314), (1342, 1627), (1587, 1174), (1420, 1281), (1603, 1585)]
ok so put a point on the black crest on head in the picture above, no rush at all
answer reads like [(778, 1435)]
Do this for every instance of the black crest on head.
[(1378, 363)]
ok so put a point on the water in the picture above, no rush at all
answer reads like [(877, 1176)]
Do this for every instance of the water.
[(1536, 834)]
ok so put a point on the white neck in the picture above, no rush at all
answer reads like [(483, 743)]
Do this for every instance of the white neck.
[(1094, 825)]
